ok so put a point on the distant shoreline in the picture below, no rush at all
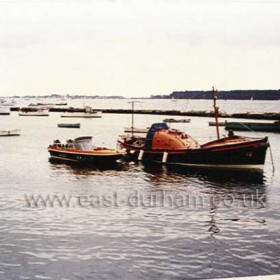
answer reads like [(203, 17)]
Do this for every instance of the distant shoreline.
[(265, 95)]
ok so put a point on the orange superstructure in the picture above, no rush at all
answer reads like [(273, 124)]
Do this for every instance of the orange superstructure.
[(173, 140)]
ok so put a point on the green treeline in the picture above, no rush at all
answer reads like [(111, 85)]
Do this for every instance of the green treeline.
[(232, 94)]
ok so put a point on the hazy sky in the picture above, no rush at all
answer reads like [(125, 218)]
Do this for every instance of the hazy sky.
[(138, 47)]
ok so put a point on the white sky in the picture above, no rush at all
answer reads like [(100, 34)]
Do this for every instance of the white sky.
[(138, 47)]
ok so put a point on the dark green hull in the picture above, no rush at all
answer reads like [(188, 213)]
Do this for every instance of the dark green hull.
[(250, 126)]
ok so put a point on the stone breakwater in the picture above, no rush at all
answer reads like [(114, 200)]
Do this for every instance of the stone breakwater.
[(247, 115)]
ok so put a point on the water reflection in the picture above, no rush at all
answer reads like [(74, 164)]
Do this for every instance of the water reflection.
[(214, 176), (227, 194), (166, 173), (83, 169), (176, 178)]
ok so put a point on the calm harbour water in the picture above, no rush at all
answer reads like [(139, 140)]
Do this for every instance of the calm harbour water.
[(110, 230)]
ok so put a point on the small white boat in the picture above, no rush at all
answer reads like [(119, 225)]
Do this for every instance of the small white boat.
[(4, 110), (29, 111), (13, 132), (7, 102), (89, 113), (41, 105)]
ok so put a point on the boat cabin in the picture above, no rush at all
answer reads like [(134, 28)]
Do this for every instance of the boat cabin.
[(81, 143)]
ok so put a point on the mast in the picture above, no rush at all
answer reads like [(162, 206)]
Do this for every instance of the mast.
[(132, 116), (216, 111)]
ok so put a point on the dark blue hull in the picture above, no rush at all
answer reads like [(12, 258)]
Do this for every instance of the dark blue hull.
[(87, 159), (69, 125), (241, 155)]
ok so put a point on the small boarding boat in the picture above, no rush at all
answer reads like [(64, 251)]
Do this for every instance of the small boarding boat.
[(69, 125), (31, 111), (135, 130), (177, 121), (171, 146), (4, 110), (219, 124), (81, 150), (89, 113), (253, 126), (13, 132)]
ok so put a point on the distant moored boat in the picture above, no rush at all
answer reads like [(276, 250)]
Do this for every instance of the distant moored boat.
[(30, 111), (254, 126), (13, 132), (89, 113), (69, 125), (177, 120), (4, 111), (7, 102)]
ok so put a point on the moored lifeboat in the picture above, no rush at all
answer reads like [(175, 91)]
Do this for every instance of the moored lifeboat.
[(171, 146)]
